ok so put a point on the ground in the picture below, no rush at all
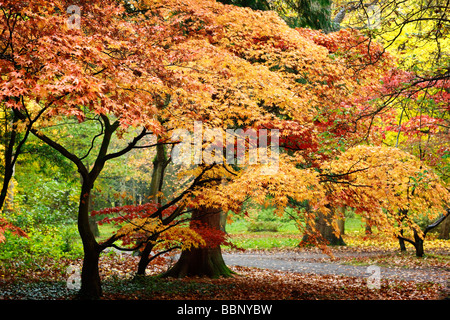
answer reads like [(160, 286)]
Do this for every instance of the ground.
[(248, 282), (272, 266)]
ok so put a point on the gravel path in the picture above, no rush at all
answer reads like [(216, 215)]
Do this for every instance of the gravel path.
[(304, 262)]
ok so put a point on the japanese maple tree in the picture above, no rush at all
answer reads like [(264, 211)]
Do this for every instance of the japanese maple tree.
[(392, 188), (111, 66)]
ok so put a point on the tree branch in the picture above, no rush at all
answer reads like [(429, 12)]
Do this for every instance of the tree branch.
[(66, 153), (130, 146), (437, 222)]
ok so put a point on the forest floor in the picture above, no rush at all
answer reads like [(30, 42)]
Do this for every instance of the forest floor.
[(300, 274)]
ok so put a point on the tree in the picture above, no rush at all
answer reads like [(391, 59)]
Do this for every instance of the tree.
[(224, 67), (141, 230), (419, 236), (415, 33), (392, 188), (414, 30), (20, 85), (301, 91), (253, 4), (105, 67), (207, 260)]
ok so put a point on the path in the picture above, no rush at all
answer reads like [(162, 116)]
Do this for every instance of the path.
[(305, 262)]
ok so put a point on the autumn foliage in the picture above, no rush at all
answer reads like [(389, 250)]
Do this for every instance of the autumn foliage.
[(154, 67), (137, 227), (7, 226)]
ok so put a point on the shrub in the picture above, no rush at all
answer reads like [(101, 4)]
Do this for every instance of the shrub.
[(48, 242), (268, 214), (258, 226), (49, 202)]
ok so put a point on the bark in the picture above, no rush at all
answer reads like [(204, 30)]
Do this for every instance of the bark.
[(92, 221), (90, 277), (326, 231), (401, 241), (444, 230), (341, 220), (145, 256), (10, 159), (418, 240), (368, 228), (206, 262), (12, 151), (159, 166), (418, 244), (203, 262)]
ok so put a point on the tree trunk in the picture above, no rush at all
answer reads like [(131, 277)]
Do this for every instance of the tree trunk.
[(327, 231), (10, 192), (401, 242), (9, 161), (402, 213), (159, 166), (203, 262), (145, 256), (418, 244), (368, 229), (90, 276), (418, 241), (92, 221), (91, 288), (444, 229)]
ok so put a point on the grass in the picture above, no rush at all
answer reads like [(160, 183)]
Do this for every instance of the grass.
[(287, 237), (241, 226), (266, 240)]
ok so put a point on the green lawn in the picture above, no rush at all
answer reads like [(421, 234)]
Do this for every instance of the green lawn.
[(287, 236)]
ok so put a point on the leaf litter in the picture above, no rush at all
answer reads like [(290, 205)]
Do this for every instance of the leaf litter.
[(119, 283)]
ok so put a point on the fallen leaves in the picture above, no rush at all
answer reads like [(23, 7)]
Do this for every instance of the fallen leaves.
[(382, 241), (117, 272)]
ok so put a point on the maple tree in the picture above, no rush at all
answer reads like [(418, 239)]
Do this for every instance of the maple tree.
[(301, 90), (391, 188), (415, 93), (205, 260), (116, 75), (416, 33), (92, 68), (141, 230)]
